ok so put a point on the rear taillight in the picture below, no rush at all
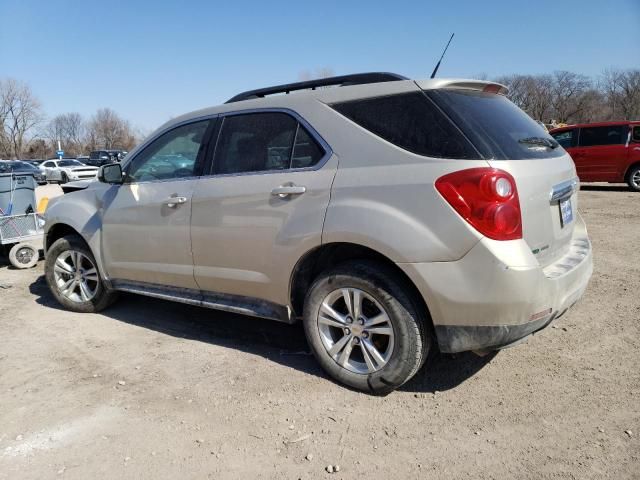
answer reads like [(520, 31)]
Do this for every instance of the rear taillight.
[(487, 198)]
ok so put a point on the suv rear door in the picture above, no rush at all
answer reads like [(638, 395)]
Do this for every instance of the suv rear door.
[(601, 153), (145, 225), (262, 206)]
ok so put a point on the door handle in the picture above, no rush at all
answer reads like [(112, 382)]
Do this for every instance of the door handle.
[(174, 201), (285, 190)]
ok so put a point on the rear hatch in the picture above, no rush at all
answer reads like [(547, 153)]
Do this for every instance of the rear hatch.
[(510, 140)]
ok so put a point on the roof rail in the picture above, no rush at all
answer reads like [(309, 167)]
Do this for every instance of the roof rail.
[(343, 80)]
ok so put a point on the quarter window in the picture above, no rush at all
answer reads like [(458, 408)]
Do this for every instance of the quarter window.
[(592, 136), (268, 141), (306, 151), (172, 155), (636, 134), (412, 122)]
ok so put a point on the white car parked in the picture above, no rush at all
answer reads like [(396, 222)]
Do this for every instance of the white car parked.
[(66, 170)]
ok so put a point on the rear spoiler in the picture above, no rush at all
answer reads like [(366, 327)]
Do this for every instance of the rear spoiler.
[(460, 84)]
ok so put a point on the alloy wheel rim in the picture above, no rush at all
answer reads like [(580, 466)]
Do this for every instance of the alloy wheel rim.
[(76, 277), (635, 179), (355, 330)]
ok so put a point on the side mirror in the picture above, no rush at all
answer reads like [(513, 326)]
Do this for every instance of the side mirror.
[(110, 173)]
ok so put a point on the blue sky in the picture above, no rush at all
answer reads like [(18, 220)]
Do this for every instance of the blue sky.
[(151, 60)]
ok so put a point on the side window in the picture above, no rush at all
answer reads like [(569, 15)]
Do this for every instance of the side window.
[(48, 164), (635, 136), (306, 151), (566, 138), (410, 121), (172, 155), (592, 136), (258, 142)]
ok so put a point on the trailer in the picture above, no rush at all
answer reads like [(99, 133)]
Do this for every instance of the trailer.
[(21, 226)]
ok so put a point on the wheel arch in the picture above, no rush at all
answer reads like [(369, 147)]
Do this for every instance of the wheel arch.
[(629, 168), (329, 255), (58, 231)]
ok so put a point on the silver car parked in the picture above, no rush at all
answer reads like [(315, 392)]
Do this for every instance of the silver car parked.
[(391, 216)]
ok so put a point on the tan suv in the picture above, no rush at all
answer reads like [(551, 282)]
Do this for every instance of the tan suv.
[(391, 216)]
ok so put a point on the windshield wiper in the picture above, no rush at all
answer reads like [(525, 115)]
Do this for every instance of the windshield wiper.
[(540, 141)]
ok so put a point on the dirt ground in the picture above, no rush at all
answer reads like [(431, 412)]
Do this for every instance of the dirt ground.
[(151, 389)]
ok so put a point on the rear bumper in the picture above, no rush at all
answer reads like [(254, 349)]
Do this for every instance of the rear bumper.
[(498, 293)]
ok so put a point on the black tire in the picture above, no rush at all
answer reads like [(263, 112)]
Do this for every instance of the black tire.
[(64, 178), (412, 337), (103, 297), (633, 178), (24, 255)]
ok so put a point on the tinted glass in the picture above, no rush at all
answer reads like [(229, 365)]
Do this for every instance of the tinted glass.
[(566, 138), (306, 151), (592, 136), (636, 134), (255, 142), (172, 155), (496, 126), (410, 121), (24, 167)]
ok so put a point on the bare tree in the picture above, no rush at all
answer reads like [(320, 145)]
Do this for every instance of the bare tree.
[(69, 129), (568, 94), (107, 130), (20, 113), (323, 72), (624, 91)]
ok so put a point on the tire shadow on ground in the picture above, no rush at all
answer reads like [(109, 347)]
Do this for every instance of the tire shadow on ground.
[(594, 187), (278, 342)]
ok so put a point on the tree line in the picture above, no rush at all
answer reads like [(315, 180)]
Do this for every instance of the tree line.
[(568, 97), (558, 97), (26, 132)]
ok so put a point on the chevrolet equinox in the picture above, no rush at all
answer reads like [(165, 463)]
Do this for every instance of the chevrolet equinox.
[(391, 216)]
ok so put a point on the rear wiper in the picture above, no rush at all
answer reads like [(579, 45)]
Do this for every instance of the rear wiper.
[(540, 141)]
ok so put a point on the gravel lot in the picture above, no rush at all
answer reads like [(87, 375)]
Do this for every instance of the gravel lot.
[(151, 389)]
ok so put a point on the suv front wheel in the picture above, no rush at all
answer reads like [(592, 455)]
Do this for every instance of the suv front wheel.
[(73, 277), (364, 329)]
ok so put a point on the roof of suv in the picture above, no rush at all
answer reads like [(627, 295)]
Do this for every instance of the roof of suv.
[(334, 89)]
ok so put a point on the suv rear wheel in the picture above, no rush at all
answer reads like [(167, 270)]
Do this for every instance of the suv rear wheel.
[(363, 328), (633, 178), (73, 277)]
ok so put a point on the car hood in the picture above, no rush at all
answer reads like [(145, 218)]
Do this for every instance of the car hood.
[(78, 185)]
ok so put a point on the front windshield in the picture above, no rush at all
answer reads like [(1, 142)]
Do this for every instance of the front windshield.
[(69, 163)]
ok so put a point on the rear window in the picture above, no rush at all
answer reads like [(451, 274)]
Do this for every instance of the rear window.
[(495, 126), (410, 121), (613, 135)]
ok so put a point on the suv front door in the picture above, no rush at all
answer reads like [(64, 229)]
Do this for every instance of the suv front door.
[(262, 207), (145, 226)]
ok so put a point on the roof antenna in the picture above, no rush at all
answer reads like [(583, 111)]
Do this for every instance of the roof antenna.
[(435, 70)]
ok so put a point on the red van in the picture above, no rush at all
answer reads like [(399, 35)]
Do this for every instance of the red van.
[(603, 152)]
